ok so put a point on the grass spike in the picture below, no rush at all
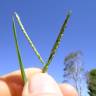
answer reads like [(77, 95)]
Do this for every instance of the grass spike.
[(53, 51), (28, 38), (18, 53)]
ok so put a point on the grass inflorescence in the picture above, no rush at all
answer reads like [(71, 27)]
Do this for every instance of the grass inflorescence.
[(53, 51)]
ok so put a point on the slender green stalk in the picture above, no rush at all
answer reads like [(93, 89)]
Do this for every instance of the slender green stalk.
[(53, 51), (18, 53), (29, 40)]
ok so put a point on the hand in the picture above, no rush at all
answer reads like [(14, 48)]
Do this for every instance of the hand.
[(39, 84)]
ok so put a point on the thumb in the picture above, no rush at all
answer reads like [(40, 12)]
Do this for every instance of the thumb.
[(41, 84)]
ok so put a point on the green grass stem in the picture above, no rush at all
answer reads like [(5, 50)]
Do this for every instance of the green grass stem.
[(27, 37), (18, 53)]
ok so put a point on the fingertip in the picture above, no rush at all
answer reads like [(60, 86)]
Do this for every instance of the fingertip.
[(4, 90), (45, 94), (68, 90), (41, 84)]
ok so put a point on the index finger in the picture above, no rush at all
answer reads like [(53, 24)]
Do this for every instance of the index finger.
[(12, 84)]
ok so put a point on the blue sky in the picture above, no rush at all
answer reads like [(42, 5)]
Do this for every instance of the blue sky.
[(43, 19)]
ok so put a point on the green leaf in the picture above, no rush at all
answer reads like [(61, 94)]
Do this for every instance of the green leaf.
[(73, 55), (28, 38), (18, 53), (53, 51)]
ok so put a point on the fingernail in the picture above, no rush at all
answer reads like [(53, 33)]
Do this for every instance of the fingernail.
[(43, 83)]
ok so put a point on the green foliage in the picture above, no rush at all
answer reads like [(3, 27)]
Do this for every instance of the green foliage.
[(73, 70), (73, 63), (18, 53), (92, 82), (73, 55)]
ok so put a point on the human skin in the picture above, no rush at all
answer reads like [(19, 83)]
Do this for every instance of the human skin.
[(38, 84)]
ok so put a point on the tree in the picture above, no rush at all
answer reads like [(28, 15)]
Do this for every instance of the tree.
[(74, 71), (92, 82)]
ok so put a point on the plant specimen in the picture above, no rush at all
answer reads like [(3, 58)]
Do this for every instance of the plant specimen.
[(52, 53)]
